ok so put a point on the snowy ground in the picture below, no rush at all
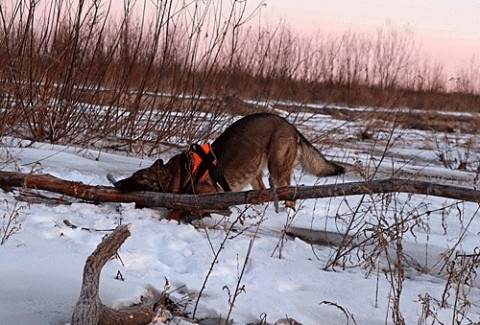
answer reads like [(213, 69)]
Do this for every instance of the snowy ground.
[(41, 264)]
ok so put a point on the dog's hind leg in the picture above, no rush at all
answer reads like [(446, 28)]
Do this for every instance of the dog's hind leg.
[(281, 160)]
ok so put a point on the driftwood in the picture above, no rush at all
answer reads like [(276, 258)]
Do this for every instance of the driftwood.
[(89, 310), (222, 201)]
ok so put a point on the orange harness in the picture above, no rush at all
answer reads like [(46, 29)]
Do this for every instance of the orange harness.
[(204, 163), (196, 154)]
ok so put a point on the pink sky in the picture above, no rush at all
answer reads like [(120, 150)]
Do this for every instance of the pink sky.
[(448, 30)]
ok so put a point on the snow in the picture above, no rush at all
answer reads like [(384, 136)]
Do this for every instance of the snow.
[(41, 265)]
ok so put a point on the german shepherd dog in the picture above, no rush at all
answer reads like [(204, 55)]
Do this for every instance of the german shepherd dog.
[(242, 151)]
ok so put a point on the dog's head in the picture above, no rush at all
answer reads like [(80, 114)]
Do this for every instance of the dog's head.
[(156, 178)]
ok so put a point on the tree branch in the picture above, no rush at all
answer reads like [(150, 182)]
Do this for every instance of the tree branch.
[(89, 309), (222, 201)]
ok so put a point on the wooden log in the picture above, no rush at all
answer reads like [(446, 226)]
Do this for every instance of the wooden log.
[(222, 201), (89, 309)]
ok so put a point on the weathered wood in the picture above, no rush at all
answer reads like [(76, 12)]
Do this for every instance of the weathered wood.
[(222, 201), (89, 309), (319, 237)]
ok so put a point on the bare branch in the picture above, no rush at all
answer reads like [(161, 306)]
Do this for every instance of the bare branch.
[(222, 201)]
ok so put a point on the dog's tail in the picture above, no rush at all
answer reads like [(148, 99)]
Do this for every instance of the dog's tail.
[(314, 162)]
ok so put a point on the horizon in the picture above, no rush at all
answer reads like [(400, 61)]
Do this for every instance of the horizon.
[(437, 26), (448, 32)]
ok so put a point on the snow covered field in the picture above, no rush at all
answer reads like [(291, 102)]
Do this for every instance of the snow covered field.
[(406, 266)]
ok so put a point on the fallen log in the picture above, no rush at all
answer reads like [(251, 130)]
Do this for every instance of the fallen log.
[(223, 201), (89, 309)]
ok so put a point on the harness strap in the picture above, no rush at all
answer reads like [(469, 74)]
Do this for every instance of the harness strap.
[(204, 160), (203, 163)]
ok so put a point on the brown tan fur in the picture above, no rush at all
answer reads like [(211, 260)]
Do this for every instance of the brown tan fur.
[(243, 150)]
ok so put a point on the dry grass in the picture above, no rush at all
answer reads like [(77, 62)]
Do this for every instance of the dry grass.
[(83, 76)]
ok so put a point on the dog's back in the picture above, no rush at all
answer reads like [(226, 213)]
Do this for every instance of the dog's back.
[(264, 139)]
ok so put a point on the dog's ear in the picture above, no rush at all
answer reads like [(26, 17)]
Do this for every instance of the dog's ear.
[(158, 163)]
